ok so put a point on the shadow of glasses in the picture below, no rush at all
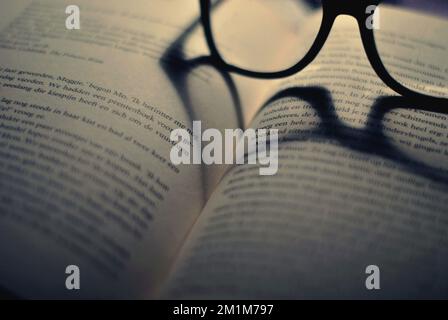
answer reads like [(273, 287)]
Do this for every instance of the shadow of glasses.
[(178, 68), (370, 140)]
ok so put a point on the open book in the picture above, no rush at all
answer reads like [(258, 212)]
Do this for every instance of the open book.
[(86, 177)]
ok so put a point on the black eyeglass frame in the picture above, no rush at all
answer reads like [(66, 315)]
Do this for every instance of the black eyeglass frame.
[(331, 10)]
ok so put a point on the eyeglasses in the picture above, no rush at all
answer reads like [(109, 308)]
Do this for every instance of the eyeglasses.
[(277, 38)]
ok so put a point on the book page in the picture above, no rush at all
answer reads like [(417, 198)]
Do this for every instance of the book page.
[(362, 180), (85, 123)]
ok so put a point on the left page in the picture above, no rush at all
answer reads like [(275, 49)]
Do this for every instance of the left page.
[(86, 116)]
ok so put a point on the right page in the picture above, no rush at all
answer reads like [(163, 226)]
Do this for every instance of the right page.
[(362, 180)]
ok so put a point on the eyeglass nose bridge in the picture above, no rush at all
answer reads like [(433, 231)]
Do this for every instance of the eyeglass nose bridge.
[(354, 8)]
